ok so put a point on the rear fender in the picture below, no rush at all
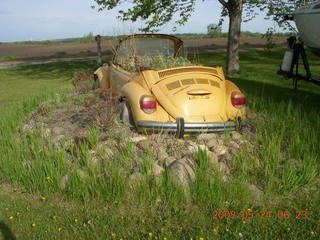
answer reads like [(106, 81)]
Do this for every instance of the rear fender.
[(233, 112), (133, 92), (103, 76)]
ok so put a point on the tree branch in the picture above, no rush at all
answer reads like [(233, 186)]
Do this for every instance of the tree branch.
[(224, 3)]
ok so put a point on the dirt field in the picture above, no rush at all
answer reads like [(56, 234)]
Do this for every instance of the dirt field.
[(34, 50)]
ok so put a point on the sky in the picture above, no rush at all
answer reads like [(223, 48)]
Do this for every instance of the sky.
[(25, 20)]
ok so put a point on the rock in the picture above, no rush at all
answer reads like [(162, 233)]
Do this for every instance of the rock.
[(134, 170), (58, 130), (137, 139), (82, 174), (94, 161), (144, 145), (104, 149), (195, 148), (58, 140), (30, 125), (220, 150), (226, 158), (255, 191), (121, 146), (64, 181), (182, 172), (213, 157), (46, 132), (224, 168), (233, 145), (212, 143), (135, 178), (138, 156), (206, 136), (161, 154), (109, 152), (168, 161), (78, 140), (157, 170), (236, 136), (103, 137)]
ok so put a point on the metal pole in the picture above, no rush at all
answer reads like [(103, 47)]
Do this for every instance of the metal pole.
[(99, 59)]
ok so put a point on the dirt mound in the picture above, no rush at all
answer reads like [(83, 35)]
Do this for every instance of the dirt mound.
[(91, 119)]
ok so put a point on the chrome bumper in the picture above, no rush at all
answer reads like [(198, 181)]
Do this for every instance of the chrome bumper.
[(187, 127)]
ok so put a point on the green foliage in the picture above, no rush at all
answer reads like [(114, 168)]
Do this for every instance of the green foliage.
[(214, 30), (276, 10), (158, 62), (154, 13), (269, 37)]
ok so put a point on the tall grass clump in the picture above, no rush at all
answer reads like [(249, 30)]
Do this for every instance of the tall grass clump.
[(26, 160)]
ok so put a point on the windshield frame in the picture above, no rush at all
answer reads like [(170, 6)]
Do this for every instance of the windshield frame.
[(178, 43)]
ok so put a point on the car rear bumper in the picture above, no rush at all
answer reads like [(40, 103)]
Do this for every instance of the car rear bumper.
[(180, 126)]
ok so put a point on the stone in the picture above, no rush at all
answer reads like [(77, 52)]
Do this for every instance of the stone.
[(182, 172), (134, 170), (168, 161), (157, 170), (212, 143), (236, 136), (64, 181), (82, 174), (255, 191), (220, 150), (224, 168), (206, 136), (94, 161), (137, 139), (103, 137), (233, 145), (144, 145), (161, 154), (58, 130), (104, 149), (135, 177), (78, 140), (58, 140), (109, 152), (195, 148), (46, 132), (213, 157)]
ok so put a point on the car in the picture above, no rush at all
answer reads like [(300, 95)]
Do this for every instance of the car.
[(164, 92)]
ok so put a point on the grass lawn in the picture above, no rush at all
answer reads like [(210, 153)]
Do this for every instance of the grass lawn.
[(285, 167)]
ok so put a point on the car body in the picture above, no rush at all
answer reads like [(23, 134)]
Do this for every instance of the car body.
[(184, 99)]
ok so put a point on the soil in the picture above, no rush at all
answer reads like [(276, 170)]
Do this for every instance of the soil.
[(40, 53)]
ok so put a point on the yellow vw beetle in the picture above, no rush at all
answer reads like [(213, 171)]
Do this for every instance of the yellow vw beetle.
[(183, 98)]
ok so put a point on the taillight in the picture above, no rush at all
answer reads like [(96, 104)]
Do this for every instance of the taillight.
[(148, 104), (238, 99)]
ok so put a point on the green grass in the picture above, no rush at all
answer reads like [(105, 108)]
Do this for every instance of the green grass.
[(19, 83), (284, 166)]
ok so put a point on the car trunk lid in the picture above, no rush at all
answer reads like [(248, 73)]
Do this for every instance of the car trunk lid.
[(195, 93)]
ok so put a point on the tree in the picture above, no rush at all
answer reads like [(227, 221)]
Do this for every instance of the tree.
[(214, 30), (234, 9), (156, 13)]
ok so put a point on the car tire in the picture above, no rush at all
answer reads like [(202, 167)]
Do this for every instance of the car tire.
[(126, 115)]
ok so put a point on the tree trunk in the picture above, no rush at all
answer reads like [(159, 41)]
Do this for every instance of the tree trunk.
[(235, 14)]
